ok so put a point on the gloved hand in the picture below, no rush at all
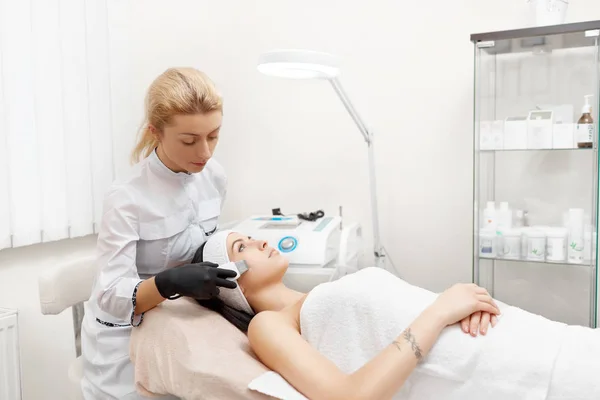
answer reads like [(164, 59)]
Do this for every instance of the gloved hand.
[(199, 281)]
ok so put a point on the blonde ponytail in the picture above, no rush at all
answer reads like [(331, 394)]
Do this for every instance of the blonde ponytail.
[(176, 91), (147, 142)]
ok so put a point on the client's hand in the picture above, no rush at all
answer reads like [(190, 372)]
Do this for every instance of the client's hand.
[(478, 321), (461, 301)]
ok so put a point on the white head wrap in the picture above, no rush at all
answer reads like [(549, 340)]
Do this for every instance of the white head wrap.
[(215, 251)]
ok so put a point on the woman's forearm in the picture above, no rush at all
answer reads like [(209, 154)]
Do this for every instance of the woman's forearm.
[(147, 296), (385, 374)]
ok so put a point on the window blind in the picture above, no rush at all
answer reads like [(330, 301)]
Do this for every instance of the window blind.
[(56, 158)]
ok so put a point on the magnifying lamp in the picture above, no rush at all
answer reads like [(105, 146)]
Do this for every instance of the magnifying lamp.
[(298, 64), (306, 64)]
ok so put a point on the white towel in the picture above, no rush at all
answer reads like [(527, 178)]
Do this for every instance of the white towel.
[(272, 384), (351, 320), (577, 371)]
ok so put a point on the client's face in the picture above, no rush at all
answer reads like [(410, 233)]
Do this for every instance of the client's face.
[(265, 264)]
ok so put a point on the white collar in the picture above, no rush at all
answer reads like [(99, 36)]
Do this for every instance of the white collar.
[(161, 169)]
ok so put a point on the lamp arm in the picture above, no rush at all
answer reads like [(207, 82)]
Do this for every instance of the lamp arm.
[(368, 136), (337, 86)]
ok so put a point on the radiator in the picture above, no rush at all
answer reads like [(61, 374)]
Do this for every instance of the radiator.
[(10, 364)]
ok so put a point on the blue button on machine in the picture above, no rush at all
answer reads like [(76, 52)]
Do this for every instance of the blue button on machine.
[(273, 218), (287, 244)]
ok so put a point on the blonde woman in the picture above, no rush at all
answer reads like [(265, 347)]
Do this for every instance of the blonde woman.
[(152, 219)]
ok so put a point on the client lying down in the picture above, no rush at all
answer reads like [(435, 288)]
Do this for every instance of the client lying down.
[(370, 335)]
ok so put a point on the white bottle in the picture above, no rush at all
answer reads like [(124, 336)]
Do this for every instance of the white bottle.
[(504, 216), (589, 243), (576, 238), (509, 244), (556, 244), (519, 219), (487, 243), (536, 244), (489, 215), (524, 240)]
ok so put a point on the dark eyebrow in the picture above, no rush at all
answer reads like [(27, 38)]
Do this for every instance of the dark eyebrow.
[(235, 241), (195, 134)]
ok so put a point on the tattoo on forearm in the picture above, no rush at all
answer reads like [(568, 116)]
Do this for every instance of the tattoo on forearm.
[(397, 344), (410, 338)]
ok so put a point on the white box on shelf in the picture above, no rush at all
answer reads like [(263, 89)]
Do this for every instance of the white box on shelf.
[(562, 113), (485, 136), (539, 129), (498, 134), (563, 136), (515, 133)]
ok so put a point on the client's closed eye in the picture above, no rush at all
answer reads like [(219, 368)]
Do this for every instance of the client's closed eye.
[(238, 245)]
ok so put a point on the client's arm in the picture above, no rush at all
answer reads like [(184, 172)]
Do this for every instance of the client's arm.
[(279, 345)]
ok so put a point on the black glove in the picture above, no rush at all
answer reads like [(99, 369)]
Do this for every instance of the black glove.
[(199, 281)]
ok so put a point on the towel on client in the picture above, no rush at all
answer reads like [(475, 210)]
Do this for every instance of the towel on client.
[(577, 371), (352, 319)]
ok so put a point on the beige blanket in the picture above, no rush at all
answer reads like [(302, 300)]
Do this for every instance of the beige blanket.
[(193, 353)]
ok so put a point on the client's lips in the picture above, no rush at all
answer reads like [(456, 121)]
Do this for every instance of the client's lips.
[(273, 252)]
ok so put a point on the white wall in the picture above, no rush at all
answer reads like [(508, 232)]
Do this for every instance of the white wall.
[(47, 342), (408, 70)]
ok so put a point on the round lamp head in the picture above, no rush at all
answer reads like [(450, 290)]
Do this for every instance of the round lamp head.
[(298, 64)]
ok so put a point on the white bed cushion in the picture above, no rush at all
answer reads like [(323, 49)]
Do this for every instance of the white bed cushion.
[(66, 283)]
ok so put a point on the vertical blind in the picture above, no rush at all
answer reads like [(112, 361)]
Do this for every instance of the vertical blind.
[(55, 119)]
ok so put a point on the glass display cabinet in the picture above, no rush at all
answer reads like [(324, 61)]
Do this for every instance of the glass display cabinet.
[(536, 104)]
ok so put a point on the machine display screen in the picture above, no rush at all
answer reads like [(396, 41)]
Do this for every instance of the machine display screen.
[(288, 225)]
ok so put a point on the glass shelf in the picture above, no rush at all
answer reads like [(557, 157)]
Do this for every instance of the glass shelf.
[(586, 264), (537, 150), (530, 88), (548, 38)]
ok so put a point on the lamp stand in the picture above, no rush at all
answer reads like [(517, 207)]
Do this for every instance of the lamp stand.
[(378, 249)]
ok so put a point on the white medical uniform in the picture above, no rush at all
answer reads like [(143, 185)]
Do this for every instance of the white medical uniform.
[(153, 220)]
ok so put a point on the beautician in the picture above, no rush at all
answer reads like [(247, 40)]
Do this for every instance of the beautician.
[(152, 223)]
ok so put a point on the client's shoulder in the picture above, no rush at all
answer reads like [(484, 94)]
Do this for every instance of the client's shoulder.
[(270, 324), (288, 317), (260, 319)]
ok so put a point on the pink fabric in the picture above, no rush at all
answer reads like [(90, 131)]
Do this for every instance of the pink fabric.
[(193, 353)]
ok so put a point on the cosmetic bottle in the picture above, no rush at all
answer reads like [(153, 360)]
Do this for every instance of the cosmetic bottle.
[(576, 238), (489, 216), (585, 126)]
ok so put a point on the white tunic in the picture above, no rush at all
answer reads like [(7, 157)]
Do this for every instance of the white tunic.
[(153, 220)]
